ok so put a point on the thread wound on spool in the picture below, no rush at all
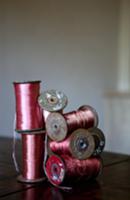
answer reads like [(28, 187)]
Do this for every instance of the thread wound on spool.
[(29, 115), (59, 125), (92, 112), (61, 169), (32, 154), (52, 100), (80, 144)]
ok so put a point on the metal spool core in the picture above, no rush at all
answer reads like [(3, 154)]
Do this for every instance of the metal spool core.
[(99, 140), (56, 126), (55, 169), (82, 144), (52, 100)]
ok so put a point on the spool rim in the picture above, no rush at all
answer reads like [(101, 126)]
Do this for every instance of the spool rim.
[(56, 126), (26, 82), (32, 131), (21, 179), (100, 135), (76, 135), (57, 176), (52, 100)]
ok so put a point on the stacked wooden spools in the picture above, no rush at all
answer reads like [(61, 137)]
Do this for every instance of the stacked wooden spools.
[(74, 143), (65, 147)]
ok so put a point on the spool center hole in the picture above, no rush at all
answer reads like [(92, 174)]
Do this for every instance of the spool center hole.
[(55, 126), (55, 170), (52, 100), (82, 144)]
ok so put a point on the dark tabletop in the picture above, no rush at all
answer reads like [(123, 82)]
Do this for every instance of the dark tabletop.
[(113, 183)]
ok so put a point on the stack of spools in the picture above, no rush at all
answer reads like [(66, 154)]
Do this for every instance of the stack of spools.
[(30, 124), (74, 143)]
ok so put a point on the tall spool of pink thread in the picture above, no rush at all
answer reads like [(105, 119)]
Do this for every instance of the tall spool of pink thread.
[(30, 123), (28, 112)]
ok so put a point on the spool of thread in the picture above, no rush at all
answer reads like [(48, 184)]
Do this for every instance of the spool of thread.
[(59, 125), (99, 139), (64, 168), (53, 100), (32, 157), (80, 144), (29, 115)]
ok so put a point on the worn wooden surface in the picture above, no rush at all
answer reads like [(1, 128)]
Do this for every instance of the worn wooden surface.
[(114, 183)]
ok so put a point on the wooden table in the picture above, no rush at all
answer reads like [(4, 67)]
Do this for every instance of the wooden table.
[(114, 183)]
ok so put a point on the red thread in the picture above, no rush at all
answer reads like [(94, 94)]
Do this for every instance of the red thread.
[(85, 169), (84, 117), (59, 125), (64, 168), (32, 156), (29, 122), (28, 112), (61, 147), (80, 144)]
